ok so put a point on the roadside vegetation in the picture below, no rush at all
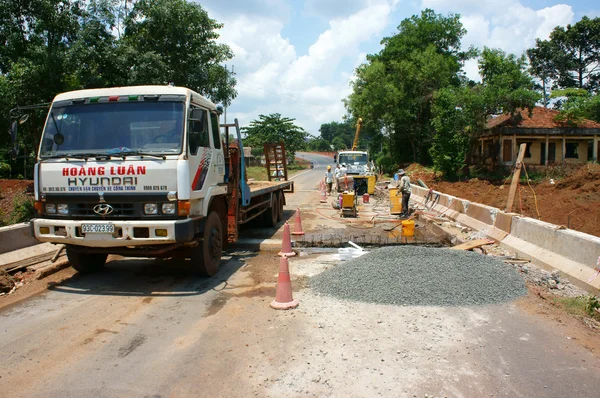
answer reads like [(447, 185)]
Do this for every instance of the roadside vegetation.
[(53, 46), (418, 105)]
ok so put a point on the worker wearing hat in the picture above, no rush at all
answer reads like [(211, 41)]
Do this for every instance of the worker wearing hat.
[(406, 190), (329, 179)]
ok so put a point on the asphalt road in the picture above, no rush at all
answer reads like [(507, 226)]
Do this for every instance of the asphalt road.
[(148, 328)]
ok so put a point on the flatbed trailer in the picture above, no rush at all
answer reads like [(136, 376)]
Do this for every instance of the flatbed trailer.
[(249, 200)]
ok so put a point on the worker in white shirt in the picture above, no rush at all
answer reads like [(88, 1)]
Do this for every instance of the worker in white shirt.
[(329, 179)]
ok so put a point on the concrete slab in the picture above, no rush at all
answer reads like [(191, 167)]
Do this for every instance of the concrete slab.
[(482, 213), (504, 221), (27, 252), (14, 237)]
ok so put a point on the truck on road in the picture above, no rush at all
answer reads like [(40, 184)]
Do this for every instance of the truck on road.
[(144, 171), (356, 164)]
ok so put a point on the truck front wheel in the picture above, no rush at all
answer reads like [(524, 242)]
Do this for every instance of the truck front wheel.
[(85, 263), (206, 256)]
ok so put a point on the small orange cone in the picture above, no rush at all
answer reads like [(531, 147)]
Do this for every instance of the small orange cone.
[(283, 296), (286, 244), (298, 224)]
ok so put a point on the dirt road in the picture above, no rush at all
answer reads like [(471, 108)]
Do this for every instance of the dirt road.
[(150, 328)]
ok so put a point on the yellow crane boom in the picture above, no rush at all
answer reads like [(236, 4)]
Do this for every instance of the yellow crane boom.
[(358, 126)]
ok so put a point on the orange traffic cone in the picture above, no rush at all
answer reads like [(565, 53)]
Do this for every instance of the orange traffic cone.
[(283, 296), (298, 224), (286, 244)]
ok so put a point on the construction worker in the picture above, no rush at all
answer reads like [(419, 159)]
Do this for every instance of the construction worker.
[(337, 176), (404, 189), (329, 179)]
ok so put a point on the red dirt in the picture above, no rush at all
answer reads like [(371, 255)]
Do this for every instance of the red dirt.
[(9, 191), (572, 201)]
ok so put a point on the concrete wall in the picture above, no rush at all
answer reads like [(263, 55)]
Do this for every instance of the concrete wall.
[(573, 245), (16, 237)]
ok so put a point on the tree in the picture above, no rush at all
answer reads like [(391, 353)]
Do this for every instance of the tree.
[(274, 128), (576, 105), (507, 87), (319, 145), (577, 57), (394, 90), (175, 41), (52, 46), (542, 64)]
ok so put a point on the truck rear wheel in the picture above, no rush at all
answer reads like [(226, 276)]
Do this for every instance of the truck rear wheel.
[(86, 263), (206, 257), (272, 213), (281, 200)]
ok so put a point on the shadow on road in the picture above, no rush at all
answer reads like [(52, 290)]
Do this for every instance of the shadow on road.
[(139, 277)]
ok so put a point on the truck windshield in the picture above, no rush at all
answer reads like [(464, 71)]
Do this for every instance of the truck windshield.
[(112, 128), (352, 158)]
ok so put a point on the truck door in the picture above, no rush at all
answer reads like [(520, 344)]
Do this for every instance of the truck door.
[(204, 149)]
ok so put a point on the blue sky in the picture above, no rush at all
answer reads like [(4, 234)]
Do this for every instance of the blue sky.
[(297, 57)]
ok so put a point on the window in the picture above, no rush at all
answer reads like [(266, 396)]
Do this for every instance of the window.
[(198, 133), (527, 148), (214, 118), (571, 150), (507, 151), (113, 127)]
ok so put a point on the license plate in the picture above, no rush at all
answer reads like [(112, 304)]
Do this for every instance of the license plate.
[(97, 228)]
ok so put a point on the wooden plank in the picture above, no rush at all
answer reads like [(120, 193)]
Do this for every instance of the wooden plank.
[(515, 180), (17, 265), (472, 244)]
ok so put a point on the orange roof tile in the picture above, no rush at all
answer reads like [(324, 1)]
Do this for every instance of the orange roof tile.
[(542, 118)]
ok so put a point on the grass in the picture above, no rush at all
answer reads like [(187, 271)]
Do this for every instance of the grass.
[(259, 173), (579, 306)]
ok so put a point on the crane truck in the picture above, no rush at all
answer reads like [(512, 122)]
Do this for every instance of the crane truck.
[(356, 162), (144, 171)]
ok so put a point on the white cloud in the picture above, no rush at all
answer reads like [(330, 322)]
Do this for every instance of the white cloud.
[(272, 77), (504, 24), (332, 9)]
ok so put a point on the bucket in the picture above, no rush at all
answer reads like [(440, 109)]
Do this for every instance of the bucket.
[(371, 180), (366, 198), (408, 228), (395, 202)]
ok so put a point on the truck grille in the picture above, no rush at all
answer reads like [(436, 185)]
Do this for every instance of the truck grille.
[(87, 210)]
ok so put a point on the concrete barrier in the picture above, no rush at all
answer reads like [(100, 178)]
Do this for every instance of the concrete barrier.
[(504, 221), (16, 237), (573, 245), (482, 213)]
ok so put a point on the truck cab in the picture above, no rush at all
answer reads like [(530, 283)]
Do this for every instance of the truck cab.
[(133, 171)]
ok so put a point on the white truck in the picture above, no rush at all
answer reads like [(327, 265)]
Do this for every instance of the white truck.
[(357, 164), (144, 171)]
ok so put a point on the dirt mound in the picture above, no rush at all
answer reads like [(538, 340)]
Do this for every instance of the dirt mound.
[(10, 190), (571, 201)]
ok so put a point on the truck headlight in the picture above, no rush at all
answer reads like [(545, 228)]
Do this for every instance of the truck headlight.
[(50, 208), (150, 208), (168, 208), (62, 208)]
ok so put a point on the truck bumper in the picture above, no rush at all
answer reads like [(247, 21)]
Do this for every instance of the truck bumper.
[(126, 233)]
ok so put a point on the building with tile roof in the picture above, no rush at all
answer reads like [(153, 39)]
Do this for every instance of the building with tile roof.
[(548, 140)]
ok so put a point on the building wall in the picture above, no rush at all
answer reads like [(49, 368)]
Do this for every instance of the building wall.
[(536, 151)]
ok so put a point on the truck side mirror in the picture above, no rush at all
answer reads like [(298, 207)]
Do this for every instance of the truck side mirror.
[(13, 131), (14, 152), (197, 115)]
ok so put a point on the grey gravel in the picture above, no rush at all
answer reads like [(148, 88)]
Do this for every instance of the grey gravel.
[(411, 275)]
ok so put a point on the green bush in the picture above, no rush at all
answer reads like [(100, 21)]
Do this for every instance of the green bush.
[(23, 210), (4, 170), (386, 164)]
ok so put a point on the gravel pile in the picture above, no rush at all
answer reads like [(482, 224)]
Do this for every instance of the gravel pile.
[(405, 275)]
